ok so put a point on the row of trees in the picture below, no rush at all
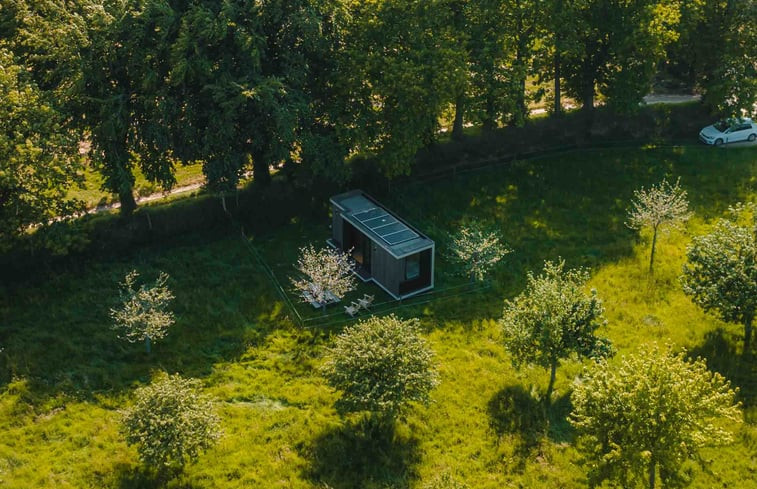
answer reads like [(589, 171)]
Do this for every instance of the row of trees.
[(239, 85)]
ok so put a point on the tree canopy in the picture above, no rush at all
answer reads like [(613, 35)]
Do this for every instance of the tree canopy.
[(553, 319), (381, 365), (649, 414), (721, 272), (39, 158), (170, 422)]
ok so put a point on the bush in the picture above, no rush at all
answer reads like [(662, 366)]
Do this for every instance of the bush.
[(381, 365), (171, 423)]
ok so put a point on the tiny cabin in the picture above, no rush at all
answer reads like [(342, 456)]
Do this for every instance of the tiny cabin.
[(386, 249)]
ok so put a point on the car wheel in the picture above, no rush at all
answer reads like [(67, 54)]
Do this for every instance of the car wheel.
[(751, 138), (718, 142)]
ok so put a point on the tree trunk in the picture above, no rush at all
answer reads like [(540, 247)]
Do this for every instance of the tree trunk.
[(588, 97), (488, 123), (652, 466), (651, 255), (261, 171), (147, 344), (457, 126), (748, 336), (128, 203), (558, 94), (551, 386)]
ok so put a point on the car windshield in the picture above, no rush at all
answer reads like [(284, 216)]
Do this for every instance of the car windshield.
[(722, 125)]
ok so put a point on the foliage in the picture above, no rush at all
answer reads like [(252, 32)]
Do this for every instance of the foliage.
[(143, 314), (325, 272), (651, 413), (170, 422), (554, 319), (399, 69), (477, 250), (727, 76), (381, 365), (38, 155), (615, 47), (721, 273), (662, 207)]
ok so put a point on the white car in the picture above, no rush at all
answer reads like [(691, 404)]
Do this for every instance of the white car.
[(729, 131)]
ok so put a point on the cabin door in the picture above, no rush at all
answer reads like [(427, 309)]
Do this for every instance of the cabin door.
[(361, 247)]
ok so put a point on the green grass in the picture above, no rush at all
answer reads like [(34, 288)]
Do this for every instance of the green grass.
[(92, 194), (68, 376)]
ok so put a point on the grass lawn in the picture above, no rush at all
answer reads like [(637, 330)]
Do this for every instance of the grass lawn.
[(93, 195), (68, 376)]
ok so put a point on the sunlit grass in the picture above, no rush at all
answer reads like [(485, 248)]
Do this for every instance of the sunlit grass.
[(70, 375)]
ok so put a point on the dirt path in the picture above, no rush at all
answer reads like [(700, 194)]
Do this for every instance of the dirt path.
[(148, 198)]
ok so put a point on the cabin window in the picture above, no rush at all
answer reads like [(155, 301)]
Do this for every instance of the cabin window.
[(412, 266)]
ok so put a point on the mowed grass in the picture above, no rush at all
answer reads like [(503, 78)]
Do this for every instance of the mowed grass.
[(68, 376)]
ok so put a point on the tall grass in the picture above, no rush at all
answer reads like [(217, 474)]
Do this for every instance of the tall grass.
[(65, 375)]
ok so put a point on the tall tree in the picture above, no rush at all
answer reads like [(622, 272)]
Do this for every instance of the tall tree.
[(553, 319), (490, 103), (398, 71), (649, 415), (614, 46), (39, 158), (721, 273), (118, 93), (726, 76)]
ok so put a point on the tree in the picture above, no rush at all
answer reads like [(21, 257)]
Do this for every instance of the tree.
[(615, 47), (171, 422), (477, 250), (727, 77), (662, 207), (400, 67), (553, 319), (326, 274), (649, 415), (381, 365), (122, 97), (721, 273), (143, 314), (39, 158)]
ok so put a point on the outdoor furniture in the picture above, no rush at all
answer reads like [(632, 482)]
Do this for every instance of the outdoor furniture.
[(352, 309), (366, 301), (330, 299)]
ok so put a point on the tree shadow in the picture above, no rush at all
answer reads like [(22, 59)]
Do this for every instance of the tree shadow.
[(363, 454), (57, 333), (515, 411), (140, 477), (724, 355)]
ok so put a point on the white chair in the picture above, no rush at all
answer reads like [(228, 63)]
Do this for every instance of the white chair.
[(366, 301), (352, 309)]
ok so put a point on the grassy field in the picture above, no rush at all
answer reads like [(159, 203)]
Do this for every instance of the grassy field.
[(65, 375), (93, 195)]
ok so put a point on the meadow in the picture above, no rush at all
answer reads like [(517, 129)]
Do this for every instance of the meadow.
[(65, 375)]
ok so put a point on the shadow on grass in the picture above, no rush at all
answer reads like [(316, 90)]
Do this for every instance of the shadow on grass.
[(724, 355), (515, 411), (58, 333), (363, 454)]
